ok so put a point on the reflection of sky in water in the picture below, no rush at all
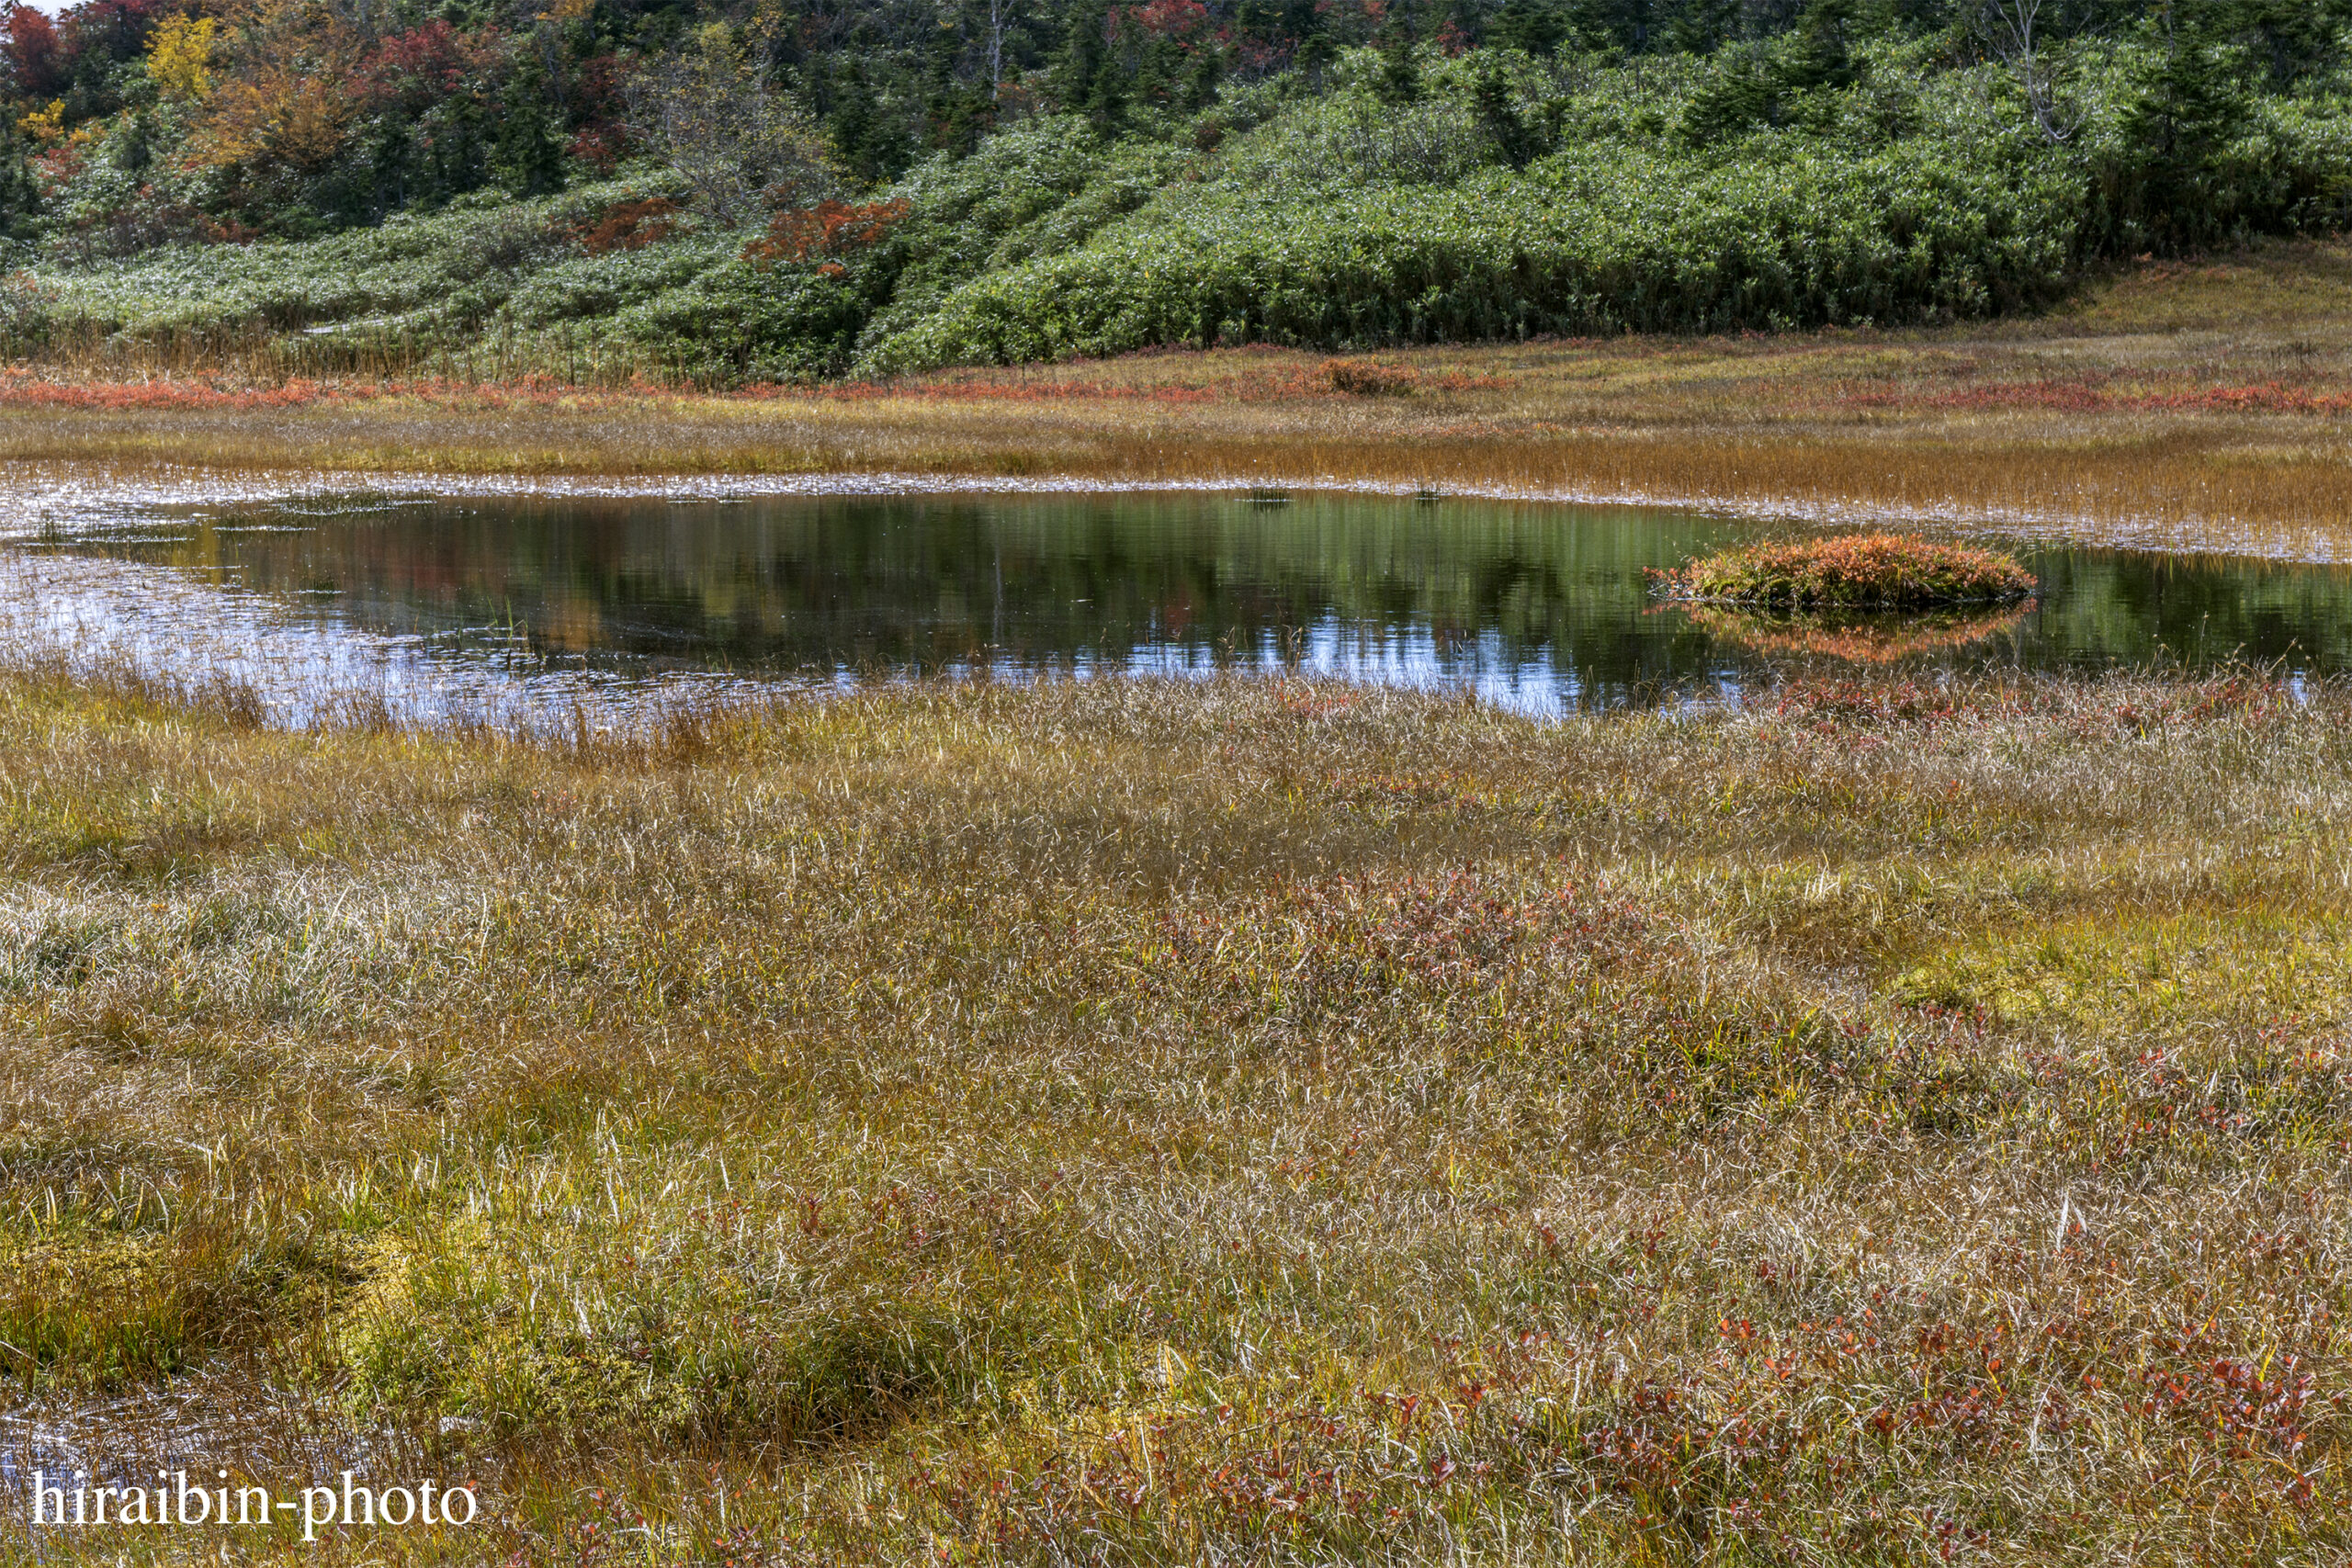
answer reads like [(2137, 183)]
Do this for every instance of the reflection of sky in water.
[(620, 611), (481, 602), (151, 619), (1407, 657), (305, 666)]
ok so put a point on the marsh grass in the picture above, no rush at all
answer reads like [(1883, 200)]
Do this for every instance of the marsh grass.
[(2194, 407), (1226, 1121)]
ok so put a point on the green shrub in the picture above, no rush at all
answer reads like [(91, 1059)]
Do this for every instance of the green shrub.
[(1791, 235), (456, 266), (1817, 178)]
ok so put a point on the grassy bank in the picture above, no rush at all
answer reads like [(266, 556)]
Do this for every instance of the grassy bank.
[(1231, 1121), (2198, 406)]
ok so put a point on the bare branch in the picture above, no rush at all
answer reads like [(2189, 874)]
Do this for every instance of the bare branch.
[(2009, 26)]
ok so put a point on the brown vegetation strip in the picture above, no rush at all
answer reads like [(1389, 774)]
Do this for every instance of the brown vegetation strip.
[(2197, 408)]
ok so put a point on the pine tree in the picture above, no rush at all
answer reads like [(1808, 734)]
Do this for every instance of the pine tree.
[(1083, 55), (1605, 26), (1316, 54), (1400, 67), (871, 142), (526, 157), (1498, 117), (19, 192), (1536, 26), (1702, 26), (2187, 110), (454, 160), (133, 146), (850, 127), (391, 156), (1468, 20), (1817, 55), (955, 113), (1201, 81), (1106, 100)]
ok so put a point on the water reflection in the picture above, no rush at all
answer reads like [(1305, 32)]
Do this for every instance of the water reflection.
[(1858, 639), (1541, 607)]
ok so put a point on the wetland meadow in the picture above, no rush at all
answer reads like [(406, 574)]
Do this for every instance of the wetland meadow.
[(1184, 959)]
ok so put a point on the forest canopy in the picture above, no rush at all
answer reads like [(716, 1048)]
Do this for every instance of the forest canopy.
[(793, 189)]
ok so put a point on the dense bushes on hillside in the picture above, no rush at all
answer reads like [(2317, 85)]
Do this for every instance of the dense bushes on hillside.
[(1601, 235), (785, 193)]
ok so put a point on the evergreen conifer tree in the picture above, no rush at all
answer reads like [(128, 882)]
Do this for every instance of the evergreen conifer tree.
[(1819, 55), (1498, 117), (454, 159), (19, 192), (526, 156), (1400, 67), (1702, 26), (2189, 105), (1533, 26), (1083, 55), (871, 142)]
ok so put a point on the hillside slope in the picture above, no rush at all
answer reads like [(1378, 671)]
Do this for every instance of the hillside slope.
[(1842, 171)]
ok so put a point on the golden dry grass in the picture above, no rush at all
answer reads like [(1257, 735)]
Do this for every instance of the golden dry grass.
[(1236, 1121), (2195, 406), (1232, 1121)]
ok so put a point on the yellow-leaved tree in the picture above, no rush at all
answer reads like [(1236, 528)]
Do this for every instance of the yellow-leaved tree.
[(44, 125), (179, 57), (278, 99)]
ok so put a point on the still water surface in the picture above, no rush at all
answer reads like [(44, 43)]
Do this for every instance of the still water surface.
[(1544, 608)]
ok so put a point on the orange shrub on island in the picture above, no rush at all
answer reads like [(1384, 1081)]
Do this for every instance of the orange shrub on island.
[(1882, 571)]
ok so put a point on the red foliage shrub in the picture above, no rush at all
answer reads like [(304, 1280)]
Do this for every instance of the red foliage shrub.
[(1171, 18), (602, 92), (117, 29), (414, 69), (829, 229), (599, 147), (629, 226), (56, 168)]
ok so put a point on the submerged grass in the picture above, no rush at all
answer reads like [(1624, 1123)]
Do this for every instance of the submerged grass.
[(1223, 1121)]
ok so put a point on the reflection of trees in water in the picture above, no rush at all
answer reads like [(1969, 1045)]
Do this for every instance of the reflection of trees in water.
[(1856, 639), (2127, 607), (926, 583)]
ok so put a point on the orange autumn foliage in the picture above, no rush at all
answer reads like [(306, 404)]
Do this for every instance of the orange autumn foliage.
[(278, 86), (629, 226), (832, 228)]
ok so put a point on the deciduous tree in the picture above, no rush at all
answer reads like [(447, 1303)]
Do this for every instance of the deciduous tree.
[(713, 113)]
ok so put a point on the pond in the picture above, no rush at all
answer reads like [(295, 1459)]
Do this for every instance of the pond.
[(1543, 607)]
